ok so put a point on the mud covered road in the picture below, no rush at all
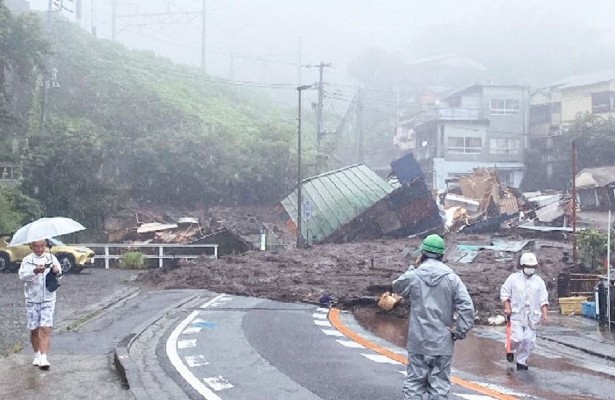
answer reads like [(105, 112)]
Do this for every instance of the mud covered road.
[(353, 272)]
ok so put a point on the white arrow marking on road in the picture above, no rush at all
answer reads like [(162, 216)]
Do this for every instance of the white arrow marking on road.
[(196, 361), (322, 323), (186, 344), (330, 332), (218, 383), (177, 362), (379, 358), (350, 343), (191, 330)]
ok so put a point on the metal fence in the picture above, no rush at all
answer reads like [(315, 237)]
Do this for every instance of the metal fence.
[(112, 251)]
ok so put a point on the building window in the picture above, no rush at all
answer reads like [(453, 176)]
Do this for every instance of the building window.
[(603, 102), (464, 145), (504, 146), (504, 106)]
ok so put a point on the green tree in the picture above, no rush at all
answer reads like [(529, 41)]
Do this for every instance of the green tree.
[(16, 209), (22, 55), (593, 248)]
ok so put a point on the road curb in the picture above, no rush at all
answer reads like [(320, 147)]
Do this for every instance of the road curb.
[(125, 365), (583, 349)]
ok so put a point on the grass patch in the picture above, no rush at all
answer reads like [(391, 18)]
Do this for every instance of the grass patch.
[(133, 260)]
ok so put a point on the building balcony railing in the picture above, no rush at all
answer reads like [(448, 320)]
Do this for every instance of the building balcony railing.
[(465, 114)]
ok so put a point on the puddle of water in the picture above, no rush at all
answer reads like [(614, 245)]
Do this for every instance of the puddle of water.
[(482, 354)]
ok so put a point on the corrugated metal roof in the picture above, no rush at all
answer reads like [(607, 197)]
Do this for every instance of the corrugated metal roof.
[(335, 198)]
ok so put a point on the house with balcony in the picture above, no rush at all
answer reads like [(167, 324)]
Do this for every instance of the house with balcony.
[(551, 109), (479, 126), (556, 105)]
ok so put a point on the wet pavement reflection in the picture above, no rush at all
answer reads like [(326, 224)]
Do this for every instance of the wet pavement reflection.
[(481, 358)]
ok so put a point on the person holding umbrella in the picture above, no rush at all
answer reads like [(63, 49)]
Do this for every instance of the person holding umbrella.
[(40, 298)]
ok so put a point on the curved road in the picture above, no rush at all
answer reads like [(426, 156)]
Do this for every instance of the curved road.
[(236, 348)]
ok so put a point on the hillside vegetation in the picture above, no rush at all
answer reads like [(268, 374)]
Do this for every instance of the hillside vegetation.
[(126, 127)]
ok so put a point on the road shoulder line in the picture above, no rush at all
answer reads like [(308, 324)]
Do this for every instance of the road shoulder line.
[(336, 320)]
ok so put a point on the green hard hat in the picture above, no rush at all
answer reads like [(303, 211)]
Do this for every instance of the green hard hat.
[(433, 244)]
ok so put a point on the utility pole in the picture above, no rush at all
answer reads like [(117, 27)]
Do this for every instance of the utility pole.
[(299, 80), (299, 194), (113, 18), (359, 127), (574, 203), (93, 16), (321, 94), (203, 36), (78, 12)]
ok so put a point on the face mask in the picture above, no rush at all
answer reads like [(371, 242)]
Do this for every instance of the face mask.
[(529, 271)]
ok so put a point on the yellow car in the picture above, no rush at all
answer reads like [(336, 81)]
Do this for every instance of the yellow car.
[(72, 258)]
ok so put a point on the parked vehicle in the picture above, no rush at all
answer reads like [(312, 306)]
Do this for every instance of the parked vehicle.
[(72, 258)]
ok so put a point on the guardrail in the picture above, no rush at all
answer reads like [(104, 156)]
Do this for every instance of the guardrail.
[(161, 256)]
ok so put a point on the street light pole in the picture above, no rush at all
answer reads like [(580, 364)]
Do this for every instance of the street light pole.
[(299, 199)]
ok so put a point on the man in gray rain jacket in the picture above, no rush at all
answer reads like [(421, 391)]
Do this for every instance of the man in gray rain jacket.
[(436, 293)]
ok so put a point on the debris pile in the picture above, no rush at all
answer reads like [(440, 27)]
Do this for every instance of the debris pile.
[(478, 203)]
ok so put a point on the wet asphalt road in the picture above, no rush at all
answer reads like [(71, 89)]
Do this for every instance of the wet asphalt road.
[(556, 371), (81, 359)]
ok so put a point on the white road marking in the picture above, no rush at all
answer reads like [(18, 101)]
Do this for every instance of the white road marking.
[(319, 316), (350, 343), (196, 361), (223, 298), (323, 310), (379, 358), (331, 332), (322, 323), (218, 383), (186, 344), (502, 389), (474, 396), (404, 373), (191, 330), (177, 362)]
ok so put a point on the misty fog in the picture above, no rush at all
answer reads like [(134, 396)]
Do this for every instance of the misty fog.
[(522, 42)]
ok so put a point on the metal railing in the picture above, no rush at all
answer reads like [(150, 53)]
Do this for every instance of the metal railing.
[(161, 256)]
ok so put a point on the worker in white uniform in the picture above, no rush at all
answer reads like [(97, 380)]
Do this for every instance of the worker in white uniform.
[(526, 301)]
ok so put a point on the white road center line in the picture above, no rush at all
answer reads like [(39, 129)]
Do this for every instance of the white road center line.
[(196, 361), (351, 344), (177, 362), (474, 396), (218, 383), (330, 332), (186, 344), (379, 358), (191, 330)]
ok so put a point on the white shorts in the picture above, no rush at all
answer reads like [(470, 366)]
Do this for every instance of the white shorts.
[(40, 314)]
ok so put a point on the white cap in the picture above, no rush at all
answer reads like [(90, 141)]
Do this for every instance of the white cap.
[(528, 259)]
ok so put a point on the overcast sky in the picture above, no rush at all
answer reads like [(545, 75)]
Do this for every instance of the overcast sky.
[(258, 40)]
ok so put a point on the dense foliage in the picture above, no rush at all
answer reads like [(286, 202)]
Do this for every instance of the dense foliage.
[(22, 56), (594, 139), (593, 248), (126, 126)]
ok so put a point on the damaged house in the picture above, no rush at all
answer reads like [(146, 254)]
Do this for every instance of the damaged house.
[(596, 188), (354, 203)]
